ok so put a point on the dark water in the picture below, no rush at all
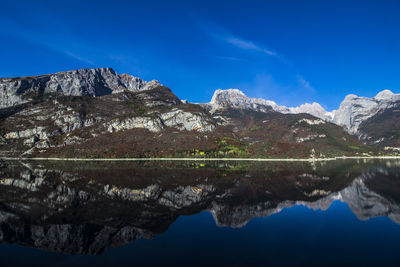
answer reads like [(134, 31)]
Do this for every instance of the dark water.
[(341, 213)]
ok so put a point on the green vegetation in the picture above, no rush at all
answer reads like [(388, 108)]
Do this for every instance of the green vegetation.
[(228, 146), (255, 128)]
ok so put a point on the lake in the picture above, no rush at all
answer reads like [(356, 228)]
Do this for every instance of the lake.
[(336, 213)]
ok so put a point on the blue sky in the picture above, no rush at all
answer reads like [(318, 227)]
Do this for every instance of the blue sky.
[(287, 51)]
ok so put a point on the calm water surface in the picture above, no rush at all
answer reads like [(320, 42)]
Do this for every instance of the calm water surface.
[(341, 213)]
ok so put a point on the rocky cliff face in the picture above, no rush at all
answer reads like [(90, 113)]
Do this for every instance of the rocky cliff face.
[(234, 98), (355, 110), (84, 82)]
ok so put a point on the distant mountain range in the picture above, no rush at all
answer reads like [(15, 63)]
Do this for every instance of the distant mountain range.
[(234, 98), (99, 113), (353, 111)]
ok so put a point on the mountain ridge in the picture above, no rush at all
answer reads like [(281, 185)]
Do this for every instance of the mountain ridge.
[(237, 99), (12, 88), (352, 112), (87, 112), (91, 82)]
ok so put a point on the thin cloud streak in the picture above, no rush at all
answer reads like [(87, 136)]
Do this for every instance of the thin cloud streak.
[(304, 83), (220, 34), (249, 45), (45, 39), (78, 57), (230, 58)]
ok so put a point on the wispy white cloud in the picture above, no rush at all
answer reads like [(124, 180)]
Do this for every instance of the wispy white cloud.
[(292, 92), (244, 44), (78, 57), (222, 35), (249, 45), (230, 58), (303, 83), (269, 52), (287, 86), (42, 37)]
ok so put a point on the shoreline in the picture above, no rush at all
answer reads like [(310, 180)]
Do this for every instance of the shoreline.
[(197, 159)]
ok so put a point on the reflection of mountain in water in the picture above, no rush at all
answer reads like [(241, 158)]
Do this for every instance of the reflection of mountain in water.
[(98, 205), (362, 201)]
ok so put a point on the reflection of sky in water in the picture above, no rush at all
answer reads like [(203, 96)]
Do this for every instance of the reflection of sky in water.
[(296, 236)]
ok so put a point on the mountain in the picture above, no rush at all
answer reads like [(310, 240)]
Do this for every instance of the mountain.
[(375, 121), (355, 110), (56, 121), (234, 98), (382, 129), (86, 113), (84, 82)]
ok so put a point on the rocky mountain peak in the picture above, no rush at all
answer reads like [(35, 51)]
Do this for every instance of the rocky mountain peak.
[(82, 82), (354, 109), (234, 98), (385, 95), (350, 97), (150, 85), (226, 96)]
